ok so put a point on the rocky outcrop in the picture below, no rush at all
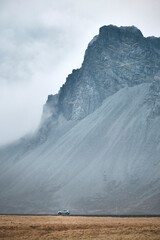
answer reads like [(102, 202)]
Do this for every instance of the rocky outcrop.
[(115, 58)]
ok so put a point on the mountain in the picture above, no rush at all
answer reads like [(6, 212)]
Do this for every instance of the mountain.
[(97, 149)]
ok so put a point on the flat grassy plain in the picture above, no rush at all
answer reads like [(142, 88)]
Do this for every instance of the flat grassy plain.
[(74, 227)]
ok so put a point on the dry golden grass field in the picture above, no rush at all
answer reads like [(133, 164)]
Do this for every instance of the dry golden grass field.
[(64, 227)]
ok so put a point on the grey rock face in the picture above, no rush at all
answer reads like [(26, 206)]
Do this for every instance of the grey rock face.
[(153, 98), (115, 58)]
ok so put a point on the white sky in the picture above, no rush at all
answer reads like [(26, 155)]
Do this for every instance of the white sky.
[(43, 40)]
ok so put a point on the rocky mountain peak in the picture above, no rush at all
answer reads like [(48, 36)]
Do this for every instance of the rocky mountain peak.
[(114, 33), (115, 58)]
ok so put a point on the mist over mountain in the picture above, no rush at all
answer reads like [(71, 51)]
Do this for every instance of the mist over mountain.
[(97, 149)]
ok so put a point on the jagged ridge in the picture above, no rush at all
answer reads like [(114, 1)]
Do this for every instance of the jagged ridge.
[(115, 58)]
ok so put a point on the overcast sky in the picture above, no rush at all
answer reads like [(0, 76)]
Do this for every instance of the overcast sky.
[(43, 40)]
